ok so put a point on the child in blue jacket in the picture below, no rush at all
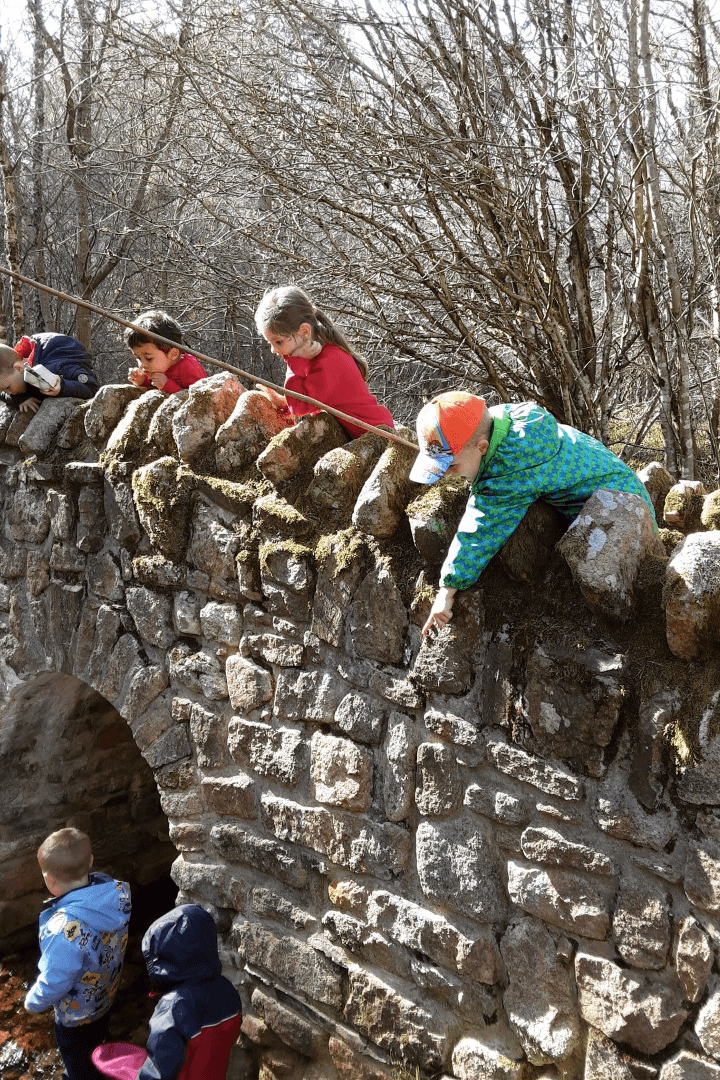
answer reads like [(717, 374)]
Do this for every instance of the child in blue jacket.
[(83, 935), (197, 1020), (513, 455), (61, 355)]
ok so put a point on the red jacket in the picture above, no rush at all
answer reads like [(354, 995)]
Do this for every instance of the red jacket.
[(334, 378), (183, 373)]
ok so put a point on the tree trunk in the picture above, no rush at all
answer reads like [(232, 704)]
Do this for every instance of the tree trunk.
[(12, 240), (41, 317)]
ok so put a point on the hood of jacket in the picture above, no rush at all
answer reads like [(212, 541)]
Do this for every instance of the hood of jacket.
[(181, 946), (537, 439), (103, 903)]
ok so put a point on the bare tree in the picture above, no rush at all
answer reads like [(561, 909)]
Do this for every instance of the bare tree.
[(526, 209), (12, 240)]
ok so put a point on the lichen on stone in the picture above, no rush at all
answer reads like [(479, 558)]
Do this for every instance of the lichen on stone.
[(344, 547), (287, 547)]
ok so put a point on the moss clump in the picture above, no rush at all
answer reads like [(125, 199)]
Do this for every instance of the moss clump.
[(398, 459), (675, 737), (157, 571), (272, 512), (710, 516), (287, 547), (239, 498), (439, 499), (670, 539), (345, 548), (162, 496), (683, 509)]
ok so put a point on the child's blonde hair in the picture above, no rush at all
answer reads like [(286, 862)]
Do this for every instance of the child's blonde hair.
[(66, 854), (284, 309), (8, 358)]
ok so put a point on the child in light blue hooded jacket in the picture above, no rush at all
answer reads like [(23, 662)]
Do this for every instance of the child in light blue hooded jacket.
[(83, 936)]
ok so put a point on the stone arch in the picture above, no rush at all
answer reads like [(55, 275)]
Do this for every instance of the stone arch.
[(68, 758)]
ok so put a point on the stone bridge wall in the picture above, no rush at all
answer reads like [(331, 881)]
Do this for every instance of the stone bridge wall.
[(495, 854)]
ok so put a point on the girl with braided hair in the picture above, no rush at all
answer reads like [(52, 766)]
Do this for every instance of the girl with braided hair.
[(321, 362)]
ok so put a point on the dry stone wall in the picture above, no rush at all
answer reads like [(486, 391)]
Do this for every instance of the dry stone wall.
[(492, 854)]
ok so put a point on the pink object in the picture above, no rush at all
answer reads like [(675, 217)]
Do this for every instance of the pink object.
[(121, 1060)]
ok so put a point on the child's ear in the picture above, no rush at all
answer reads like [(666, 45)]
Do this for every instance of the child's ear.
[(19, 365), (483, 445), (305, 329), (50, 882), (173, 355)]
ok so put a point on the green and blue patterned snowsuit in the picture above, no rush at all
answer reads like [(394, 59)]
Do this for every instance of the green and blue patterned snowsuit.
[(531, 456)]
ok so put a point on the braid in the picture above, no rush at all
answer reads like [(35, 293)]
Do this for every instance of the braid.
[(326, 331)]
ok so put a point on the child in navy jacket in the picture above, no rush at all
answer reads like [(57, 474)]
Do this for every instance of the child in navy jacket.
[(197, 1020), (61, 355)]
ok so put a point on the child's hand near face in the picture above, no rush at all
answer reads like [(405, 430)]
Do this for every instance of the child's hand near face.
[(157, 378), (136, 376), (441, 611)]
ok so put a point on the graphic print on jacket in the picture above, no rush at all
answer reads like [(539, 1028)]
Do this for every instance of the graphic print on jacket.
[(83, 935)]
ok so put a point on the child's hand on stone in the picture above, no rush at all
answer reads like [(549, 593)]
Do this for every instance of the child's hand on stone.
[(441, 611), (278, 400), (30, 404)]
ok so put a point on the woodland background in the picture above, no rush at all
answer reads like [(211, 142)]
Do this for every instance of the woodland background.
[(522, 199)]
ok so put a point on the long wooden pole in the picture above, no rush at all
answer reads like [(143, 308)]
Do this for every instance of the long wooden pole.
[(391, 436)]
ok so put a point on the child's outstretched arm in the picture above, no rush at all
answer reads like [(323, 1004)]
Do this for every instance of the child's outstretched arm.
[(441, 611), (489, 520)]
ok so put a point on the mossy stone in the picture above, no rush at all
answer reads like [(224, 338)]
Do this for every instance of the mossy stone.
[(162, 497)]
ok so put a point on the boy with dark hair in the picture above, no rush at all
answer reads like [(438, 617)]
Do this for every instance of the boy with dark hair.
[(163, 366), (512, 455), (83, 935), (46, 365), (196, 1022)]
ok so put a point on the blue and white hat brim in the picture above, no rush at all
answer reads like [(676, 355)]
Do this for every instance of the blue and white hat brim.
[(428, 468)]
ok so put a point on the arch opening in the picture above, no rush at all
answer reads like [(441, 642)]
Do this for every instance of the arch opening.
[(67, 757)]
